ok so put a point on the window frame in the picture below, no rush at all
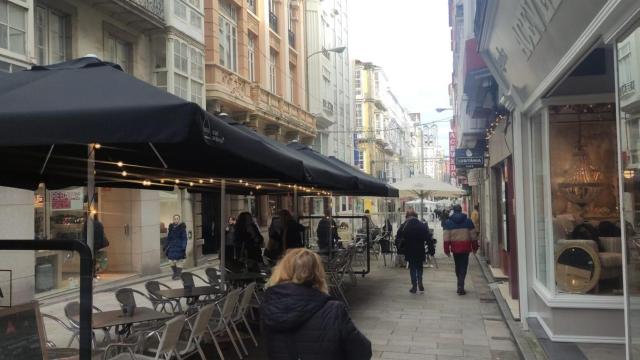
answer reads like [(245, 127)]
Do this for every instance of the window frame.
[(251, 56), (65, 21), (228, 40), (25, 11)]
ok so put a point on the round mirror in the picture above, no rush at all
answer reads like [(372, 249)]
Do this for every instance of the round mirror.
[(577, 268)]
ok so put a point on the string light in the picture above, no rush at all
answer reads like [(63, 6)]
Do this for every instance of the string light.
[(190, 183), (177, 181), (210, 181), (120, 164), (97, 146), (161, 181), (124, 173), (146, 183), (200, 181)]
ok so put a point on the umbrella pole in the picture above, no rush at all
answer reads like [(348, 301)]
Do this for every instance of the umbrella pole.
[(223, 238), (91, 190), (295, 202), (421, 205)]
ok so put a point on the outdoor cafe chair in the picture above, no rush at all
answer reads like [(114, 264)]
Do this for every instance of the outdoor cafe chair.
[(197, 324), (69, 327), (220, 324), (160, 302), (215, 279), (239, 317), (71, 311), (188, 280), (126, 298), (168, 334)]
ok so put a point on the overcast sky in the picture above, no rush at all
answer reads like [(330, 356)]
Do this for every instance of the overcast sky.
[(411, 40)]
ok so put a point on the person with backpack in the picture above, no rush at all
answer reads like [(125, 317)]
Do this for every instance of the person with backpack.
[(301, 320), (459, 237), (411, 239)]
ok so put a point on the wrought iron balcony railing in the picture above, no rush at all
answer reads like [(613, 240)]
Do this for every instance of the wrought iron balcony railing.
[(273, 22)]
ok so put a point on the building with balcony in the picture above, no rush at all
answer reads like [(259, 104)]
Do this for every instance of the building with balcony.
[(255, 66), (329, 77), (384, 139)]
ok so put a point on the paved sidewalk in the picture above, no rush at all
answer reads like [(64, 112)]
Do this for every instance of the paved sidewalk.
[(438, 324)]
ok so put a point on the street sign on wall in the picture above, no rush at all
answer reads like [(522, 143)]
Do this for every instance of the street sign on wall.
[(469, 158)]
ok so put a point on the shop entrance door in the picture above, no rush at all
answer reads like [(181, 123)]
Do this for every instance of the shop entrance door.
[(211, 222)]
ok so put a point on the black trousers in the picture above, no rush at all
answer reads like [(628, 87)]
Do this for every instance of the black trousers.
[(462, 262)]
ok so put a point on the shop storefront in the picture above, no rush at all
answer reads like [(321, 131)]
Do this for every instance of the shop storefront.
[(555, 63), (628, 78)]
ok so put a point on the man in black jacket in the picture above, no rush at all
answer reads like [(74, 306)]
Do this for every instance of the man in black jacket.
[(411, 239)]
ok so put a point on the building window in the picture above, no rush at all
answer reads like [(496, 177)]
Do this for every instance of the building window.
[(13, 20), (9, 67), (251, 56), (51, 36), (359, 124), (180, 9), (292, 83), (358, 82), (119, 51), (273, 71), (251, 5), (196, 92), (181, 56), (539, 199), (195, 19), (196, 64), (181, 86), (228, 36)]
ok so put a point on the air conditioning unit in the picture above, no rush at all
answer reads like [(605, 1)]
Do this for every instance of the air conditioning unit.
[(629, 73)]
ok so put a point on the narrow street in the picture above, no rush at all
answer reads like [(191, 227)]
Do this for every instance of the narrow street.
[(436, 325)]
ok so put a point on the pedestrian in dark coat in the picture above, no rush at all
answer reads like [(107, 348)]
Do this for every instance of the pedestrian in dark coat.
[(284, 234), (301, 320), (460, 239), (414, 235), (327, 232), (176, 249), (248, 239)]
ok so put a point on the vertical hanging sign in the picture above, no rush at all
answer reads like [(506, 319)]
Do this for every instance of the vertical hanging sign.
[(452, 154)]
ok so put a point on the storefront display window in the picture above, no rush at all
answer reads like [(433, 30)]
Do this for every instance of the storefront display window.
[(538, 133), (628, 60), (587, 257)]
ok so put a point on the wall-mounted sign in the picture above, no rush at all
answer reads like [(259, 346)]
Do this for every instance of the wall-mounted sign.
[(67, 199), (452, 153), (469, 158), (5, 288)]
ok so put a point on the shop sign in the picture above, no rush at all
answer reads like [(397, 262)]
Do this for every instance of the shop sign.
[(452, 153), (67, 199), (469, 158)]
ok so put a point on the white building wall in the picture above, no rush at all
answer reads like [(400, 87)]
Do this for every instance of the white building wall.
[(327, 27)]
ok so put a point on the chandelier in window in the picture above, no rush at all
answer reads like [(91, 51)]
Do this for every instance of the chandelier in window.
[(584, 182)]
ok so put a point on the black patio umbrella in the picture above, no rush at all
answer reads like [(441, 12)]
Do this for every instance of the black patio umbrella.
[(365, 185), (49, 114), (320, 172)]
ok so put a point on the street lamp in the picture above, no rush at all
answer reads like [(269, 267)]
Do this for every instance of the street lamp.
[(443, 109)]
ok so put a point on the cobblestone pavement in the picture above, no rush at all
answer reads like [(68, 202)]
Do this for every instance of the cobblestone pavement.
[(436, 325)]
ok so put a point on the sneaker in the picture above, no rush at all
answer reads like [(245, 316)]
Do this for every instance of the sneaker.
[(462, 292), (421, 288), (412, 290)]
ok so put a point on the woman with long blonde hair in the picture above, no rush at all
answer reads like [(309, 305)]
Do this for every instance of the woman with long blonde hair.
[(301, 320)]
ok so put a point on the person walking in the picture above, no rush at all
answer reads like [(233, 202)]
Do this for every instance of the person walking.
[(460, 239), (248, 239), (176, 249), (301, 320), (411, 239), (327, 232)]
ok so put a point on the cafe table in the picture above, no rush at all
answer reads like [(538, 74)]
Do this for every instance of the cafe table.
[(115, 318), (192, 294)]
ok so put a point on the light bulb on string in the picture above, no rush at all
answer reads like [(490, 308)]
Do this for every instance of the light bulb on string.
[(120, 164), (161, 181), (200, 181), (190, 183), (177, 181), (97, 146), (124, 173), (210, 181)]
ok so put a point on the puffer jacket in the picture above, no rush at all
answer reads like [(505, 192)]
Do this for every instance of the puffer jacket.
[(176, 242), (303, 323), (415, 235), (459, 235)]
